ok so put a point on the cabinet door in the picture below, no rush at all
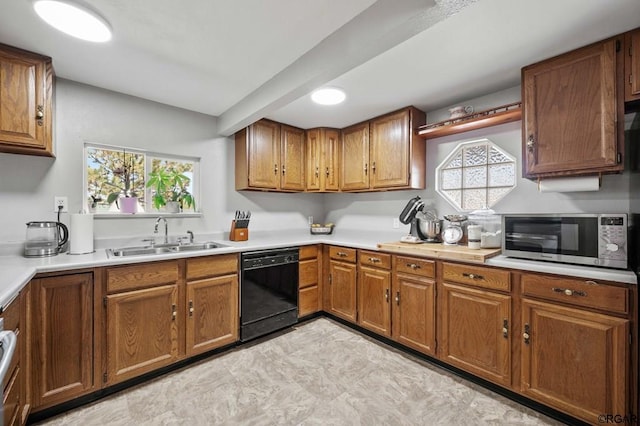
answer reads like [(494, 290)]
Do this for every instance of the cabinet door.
[(212, 313), (571, 111), (292, 158), (26, 82), (264, 155), (390, 150), (62, 339), (374, 304), (142, 331), (632, 66), (354, 158), (313, 151), (574, 360), (330, 160), (473, 333), (414, 315), (342, 290)]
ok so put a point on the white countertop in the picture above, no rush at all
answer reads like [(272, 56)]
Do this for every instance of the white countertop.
[(16, 270)]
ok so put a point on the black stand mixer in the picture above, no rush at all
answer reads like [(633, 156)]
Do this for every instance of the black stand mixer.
[(425, 226)]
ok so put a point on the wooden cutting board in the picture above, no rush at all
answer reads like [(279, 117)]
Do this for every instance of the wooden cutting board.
[(441, 251)]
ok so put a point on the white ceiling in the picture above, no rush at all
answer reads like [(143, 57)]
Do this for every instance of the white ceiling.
[(243, 60)]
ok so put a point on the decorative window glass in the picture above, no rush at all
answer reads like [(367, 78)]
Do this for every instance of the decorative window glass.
[(476, 175), (127, 181)]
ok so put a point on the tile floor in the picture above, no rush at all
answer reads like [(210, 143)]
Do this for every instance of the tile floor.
[(321, 373)]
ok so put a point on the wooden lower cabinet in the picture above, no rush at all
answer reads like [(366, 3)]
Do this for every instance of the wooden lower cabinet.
[(62, 338), (575, 360), (475, 331), (414, 312), (309, 295), (342, 290), (374, 305), (212, 313)]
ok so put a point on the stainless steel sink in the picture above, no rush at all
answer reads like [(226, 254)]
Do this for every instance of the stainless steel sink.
[(162, 249)]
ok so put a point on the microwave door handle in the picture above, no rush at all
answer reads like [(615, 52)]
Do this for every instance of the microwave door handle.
[(8, 342)]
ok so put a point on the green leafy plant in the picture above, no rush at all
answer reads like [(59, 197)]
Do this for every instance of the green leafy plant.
[(170, 185)]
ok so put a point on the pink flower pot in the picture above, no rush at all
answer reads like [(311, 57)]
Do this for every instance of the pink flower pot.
[(129, 204)]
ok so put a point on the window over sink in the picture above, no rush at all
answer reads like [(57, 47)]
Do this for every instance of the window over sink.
[(124, 181)]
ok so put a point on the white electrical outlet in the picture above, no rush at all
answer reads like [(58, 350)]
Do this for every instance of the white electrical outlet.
[(310, 220), (61, 201), (396, 223)]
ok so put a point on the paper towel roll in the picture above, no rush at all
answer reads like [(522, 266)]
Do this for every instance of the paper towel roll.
[(81, 233), (570, 184)]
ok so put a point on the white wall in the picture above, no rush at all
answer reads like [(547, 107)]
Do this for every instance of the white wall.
[(88, 114)]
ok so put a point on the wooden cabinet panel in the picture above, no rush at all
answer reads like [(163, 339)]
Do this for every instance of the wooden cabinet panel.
[(264, 155), (308, 273), (135, 276), (11, 398), (308, 300), (374, 304), (292, 158), (313, 159), (586, 293), (309, 279), (414, 312), (390, 152), (415, 265), (375, 259), (142, 331), (632, 66), (342, 253), (13, 384), (571, 112), (62, 340), (354, 158), (574, 360), (479, 276), (210, 266), (473, 336), (308, 252), (322, 159), (342, 290), (212, 319), (26, 89)]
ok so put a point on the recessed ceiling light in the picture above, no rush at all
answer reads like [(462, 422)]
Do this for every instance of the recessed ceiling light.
[(328, 96), (73, 19)]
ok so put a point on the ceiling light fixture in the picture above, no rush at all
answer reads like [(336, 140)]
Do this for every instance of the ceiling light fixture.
[(73, 19), (328, 96)]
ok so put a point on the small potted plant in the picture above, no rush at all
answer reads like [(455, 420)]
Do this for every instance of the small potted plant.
[(124, 192), (170, 190)]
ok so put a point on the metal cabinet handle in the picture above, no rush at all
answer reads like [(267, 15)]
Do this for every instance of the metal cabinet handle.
[(327, 172), (373, 167), (283, 170), (174, 313), (317, 171), (275, 169), (398, 298), (569, 292), (366, 168), (40, 114), (530, 143), (374, 260), (190, 308), (413, 266), (386, 295), (505, 328), (341, 254), (527, 334), (473, 276)]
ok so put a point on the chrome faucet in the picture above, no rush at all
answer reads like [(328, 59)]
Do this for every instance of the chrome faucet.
[(190, 236), (166, 228)]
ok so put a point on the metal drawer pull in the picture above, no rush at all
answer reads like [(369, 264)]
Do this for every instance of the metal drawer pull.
[(527, 334), (473, 276), (341, 254), (374, 260), (413, 266), (275, 169), (569, 292), (398, 298), (190, 308), (386, 295), (505, 328)]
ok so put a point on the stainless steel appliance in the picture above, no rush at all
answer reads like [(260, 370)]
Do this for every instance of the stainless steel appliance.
[(45, 238), (425, 225), (584, 239), (268, 291), (8, 343)]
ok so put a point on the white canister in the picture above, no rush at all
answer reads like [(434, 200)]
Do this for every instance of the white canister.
[(474, 233)]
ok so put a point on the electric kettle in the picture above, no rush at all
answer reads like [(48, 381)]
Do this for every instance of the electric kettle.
[(45, 238)]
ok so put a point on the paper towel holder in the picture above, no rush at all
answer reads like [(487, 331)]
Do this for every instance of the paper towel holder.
[(557, 181)]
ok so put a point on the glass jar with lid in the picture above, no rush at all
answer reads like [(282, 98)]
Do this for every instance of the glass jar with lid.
[(491, 227)]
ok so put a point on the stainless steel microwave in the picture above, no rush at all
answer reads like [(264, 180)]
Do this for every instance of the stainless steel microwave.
[(584, 239)]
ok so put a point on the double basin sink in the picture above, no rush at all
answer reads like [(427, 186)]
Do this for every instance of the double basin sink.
[(162, 249)]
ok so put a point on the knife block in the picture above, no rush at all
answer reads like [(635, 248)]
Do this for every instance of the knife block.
[(238, 234)]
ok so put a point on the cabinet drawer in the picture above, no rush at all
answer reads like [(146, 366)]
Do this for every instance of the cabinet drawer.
[(210, 266), (477, 276), (342, 253), (308, 252), (581, 292), (415, 266), (308, 274), (11, 315), (11, 398), (308, 301), (141, 275), (374, 258)]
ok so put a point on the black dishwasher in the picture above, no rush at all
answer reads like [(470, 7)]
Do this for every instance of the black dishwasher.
[(268, 291)]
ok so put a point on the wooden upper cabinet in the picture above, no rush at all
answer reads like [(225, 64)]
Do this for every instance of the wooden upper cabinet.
[(574, 360), (354, 158), (322, 160), (26, 93), (270, 157), (292, 158), (632, 66), (573, 112), (397, 154)]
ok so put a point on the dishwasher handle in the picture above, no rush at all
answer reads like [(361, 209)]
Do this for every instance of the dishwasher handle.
[(8, 341)]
